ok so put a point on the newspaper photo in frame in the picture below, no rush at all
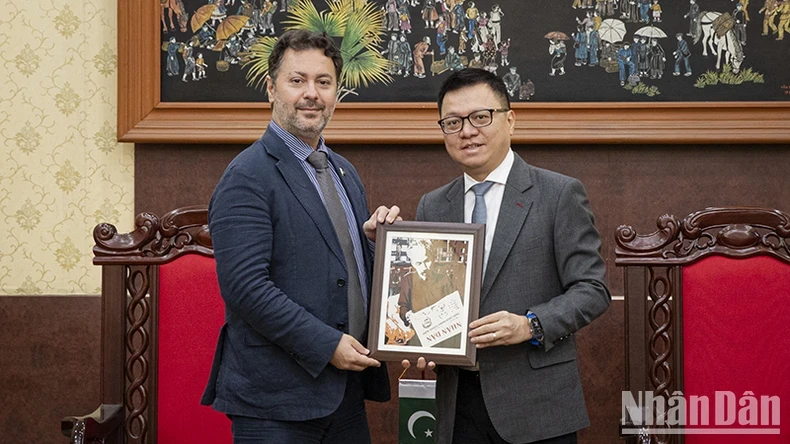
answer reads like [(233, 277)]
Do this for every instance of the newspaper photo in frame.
[(426, 291)]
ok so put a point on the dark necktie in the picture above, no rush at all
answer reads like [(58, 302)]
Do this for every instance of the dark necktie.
[(479, 216), (479, 213), (356, 302)]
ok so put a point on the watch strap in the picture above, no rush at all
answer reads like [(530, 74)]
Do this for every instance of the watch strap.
[(535, 328)]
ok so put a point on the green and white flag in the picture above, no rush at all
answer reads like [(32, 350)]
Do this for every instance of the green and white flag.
[(417, 411)]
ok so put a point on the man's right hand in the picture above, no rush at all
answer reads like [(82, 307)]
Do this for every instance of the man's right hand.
[(351, 355)]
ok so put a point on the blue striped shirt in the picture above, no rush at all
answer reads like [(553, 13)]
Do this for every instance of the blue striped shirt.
[(301, 150)]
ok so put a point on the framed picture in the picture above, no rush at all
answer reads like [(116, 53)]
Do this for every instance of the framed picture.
[(426, 291), (586, 101)]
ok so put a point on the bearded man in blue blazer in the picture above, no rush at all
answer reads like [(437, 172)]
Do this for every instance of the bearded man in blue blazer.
[(290, 228)]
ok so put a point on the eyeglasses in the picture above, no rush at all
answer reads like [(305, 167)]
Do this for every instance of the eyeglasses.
[(478, 119)]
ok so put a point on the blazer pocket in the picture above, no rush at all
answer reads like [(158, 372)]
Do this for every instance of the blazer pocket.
[(532, 243), (559, 354), (254, 339)]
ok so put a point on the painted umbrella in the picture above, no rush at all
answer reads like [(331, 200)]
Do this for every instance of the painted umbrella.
[(231, 25), (651, 32), (201, 16), (612, 30), (556, 35)]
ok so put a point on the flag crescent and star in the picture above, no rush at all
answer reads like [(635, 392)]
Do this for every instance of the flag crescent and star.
[(415, 416)]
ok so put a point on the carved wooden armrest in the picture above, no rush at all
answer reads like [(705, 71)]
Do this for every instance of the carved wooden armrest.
[(94, 427), (633, 434)]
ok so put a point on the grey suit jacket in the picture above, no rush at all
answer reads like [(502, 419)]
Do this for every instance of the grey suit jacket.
[(545, 258)]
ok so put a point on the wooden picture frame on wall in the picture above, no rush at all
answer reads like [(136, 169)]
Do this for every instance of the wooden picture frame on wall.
[(144, 118)]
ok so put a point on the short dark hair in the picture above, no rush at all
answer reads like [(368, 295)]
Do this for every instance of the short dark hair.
[(472, 77), (300, 40)]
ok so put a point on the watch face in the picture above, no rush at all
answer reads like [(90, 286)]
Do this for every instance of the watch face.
[(534, 325)]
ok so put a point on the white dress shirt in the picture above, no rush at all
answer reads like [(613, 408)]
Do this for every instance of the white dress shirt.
[(493, 199)]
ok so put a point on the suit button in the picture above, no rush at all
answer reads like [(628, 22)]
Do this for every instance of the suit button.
[(341, 326), (341, 283)]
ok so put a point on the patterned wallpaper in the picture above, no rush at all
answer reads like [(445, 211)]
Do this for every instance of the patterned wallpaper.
[(61, 169)]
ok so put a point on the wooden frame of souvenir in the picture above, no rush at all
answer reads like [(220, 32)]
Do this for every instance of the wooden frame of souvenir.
[(426, 291)]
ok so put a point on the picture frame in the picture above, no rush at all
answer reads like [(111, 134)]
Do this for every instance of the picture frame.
[(144, 118), (426, 291)]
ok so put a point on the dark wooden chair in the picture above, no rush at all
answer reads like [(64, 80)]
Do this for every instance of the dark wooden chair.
[(707, 314), (161, 314)]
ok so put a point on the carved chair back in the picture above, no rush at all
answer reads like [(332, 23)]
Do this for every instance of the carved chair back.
[(707, 317), (161, 314)]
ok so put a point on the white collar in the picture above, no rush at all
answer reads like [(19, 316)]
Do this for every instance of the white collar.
[(499, 175)]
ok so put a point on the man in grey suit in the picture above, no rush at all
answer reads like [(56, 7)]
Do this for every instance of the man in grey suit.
[(543, 278), (288, 222)]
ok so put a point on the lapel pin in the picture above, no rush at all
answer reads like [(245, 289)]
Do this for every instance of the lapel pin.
[(342, 173)]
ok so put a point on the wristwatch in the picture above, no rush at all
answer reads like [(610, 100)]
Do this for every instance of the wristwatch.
[(535, 328)]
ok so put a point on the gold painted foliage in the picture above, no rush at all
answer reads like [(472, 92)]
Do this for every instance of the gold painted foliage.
[(67, 254), (27, 61), (105, 61), (67, 100), (105, 138), (62, 170), (28, 287), (27, 139), (27, 216), (66, 23), (107, 212), (67, 178)]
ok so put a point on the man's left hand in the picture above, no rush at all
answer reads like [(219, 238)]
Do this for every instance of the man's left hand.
[(500, 328), (380, 216)]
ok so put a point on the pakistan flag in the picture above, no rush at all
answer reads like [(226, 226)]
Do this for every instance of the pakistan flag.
[(417, 411)]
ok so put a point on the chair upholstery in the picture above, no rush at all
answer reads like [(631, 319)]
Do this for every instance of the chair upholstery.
[(708, 310), (191, 313), (161, 313)]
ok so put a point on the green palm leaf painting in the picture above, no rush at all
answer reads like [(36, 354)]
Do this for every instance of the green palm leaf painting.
[(359, 24), (257, 59), (303, 15)]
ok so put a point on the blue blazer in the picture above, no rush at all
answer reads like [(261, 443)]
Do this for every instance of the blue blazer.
[(282, 276)]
